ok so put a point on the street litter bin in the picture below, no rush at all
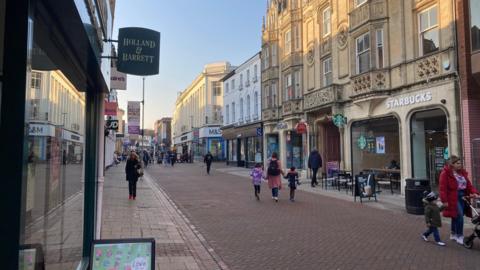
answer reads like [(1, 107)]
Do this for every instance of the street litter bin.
[(414, 189)]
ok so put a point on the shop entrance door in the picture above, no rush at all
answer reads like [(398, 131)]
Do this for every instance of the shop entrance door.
[(429, 145), (294, 150)]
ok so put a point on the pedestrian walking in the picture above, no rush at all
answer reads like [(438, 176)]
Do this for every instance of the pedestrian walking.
[(293, 181), (274, 173), (256, 174), (314, 163), (173, 158), (432, 218), (132, 171), (146, 158), (208, 160), (454, 186)]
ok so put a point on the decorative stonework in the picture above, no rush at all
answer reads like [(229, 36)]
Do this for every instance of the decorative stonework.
[(362, 83), (311, 55), (319, 98), (379, 80), (342, 36), (326, 46), (428, 67), (292, 106), (372, 10)]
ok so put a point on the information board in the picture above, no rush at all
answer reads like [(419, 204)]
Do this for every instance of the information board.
[(133, 254)]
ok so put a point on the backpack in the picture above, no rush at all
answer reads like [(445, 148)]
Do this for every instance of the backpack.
[(273, 169)]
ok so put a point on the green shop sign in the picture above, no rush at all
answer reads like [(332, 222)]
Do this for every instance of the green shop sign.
[(138, 51), (339, 120)]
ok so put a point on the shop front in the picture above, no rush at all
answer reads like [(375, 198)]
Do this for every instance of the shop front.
[(412, 134), (244, 145), (210, 140), (53, 174)]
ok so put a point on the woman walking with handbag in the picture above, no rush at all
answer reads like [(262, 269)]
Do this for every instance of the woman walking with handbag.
[(131, 170), (454, 187)]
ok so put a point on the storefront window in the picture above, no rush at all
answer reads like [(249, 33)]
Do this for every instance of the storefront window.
[(258, 149), (241, 143), (272, 145), (251, 149), (429, 144), (53, 198), (233, 150), (375, 144), (294, 150)]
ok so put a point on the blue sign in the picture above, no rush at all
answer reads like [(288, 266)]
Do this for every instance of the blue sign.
[(259, 131)]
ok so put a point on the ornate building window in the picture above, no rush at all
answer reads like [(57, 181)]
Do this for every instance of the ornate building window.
[(327, 71), (288, 42), (428, 31), (363, 53), (380, 60), (326, 26), (227, 114)]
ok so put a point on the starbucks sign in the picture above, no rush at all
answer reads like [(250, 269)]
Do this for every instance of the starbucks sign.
[(138, 51)]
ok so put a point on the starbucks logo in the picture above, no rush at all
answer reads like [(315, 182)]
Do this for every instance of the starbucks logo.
[(362, 142)]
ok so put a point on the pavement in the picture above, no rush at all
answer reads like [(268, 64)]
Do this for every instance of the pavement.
[(320, 230), (179, 246)]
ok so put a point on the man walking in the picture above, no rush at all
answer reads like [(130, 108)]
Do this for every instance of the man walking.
[(314, 163), (208, 160)]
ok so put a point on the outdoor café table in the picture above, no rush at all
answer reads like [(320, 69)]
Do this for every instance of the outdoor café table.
[(390, 173)]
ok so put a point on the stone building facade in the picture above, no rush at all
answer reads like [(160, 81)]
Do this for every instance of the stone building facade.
[(378, 84), (197, 117)]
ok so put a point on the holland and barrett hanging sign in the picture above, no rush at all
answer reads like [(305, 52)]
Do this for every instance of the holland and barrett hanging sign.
[(138, 51)]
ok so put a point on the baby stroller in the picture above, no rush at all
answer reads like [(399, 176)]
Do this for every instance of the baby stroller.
[(468, 241)]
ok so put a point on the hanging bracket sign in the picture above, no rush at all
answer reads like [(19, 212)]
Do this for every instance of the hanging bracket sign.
[(138, 51)]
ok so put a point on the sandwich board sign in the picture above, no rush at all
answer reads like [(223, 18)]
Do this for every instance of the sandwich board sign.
[(138, 51)]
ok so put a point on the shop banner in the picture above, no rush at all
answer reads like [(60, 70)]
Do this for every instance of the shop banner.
[(111, 108), (133, 117), (138, 51), (118, 80)]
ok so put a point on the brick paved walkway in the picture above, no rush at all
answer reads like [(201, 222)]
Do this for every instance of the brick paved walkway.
[(315, 232), (179, 246)]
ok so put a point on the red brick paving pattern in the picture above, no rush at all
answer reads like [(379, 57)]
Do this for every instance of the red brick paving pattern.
[(315, 232)]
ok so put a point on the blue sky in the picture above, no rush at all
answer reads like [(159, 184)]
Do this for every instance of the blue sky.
[(193, 33)]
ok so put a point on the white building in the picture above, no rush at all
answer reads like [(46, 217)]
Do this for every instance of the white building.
[(55, 112), (198, 114), (242, 126)]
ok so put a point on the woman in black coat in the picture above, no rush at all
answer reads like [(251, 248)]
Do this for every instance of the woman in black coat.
[(131, 170)]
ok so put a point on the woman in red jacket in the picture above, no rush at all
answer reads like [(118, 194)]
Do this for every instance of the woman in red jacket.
[(454, 185)]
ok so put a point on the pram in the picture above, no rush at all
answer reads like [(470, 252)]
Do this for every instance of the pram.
[(468, 241)]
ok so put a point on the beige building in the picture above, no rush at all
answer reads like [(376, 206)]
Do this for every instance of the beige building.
[(197, 117), (378, 84)]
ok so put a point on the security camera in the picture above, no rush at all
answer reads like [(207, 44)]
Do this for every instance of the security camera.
[(443, 101)]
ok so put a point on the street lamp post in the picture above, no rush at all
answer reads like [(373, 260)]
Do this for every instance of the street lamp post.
[(143, 112)]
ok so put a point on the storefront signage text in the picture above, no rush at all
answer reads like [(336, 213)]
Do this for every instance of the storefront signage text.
[(301, 128), (409, 100), (282, 125), (41, 130), (210, 132), (138, 51)]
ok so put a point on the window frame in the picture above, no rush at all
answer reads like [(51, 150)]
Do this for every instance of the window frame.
[(357, 53), (378, 45), (470, 29), (359, 3), (287, 42), (327, 72), (326, 34), (429, 28)]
